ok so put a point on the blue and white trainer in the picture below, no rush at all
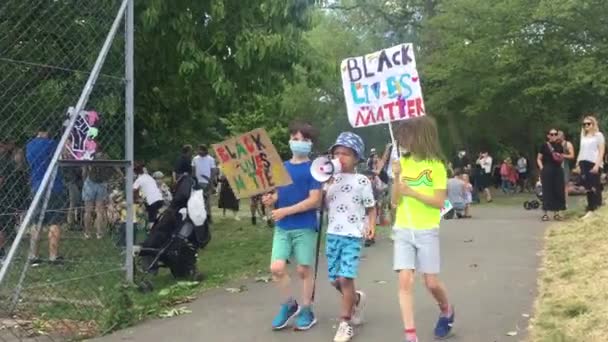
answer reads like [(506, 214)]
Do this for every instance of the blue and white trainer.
[(286, 313), (306, 319), (444, 325)]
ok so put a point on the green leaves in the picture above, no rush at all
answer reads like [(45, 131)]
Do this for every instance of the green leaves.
[(209, 69), (515, 64)]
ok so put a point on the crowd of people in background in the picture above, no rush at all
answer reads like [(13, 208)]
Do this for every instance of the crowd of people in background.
[(81, 198), (561, 172), (91, 199), (402, 188)]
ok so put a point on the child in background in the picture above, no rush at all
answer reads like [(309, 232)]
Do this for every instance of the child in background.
[(377, 188), (504, 176), (350, 200), (164, 188), (468, 188), (419, 194)]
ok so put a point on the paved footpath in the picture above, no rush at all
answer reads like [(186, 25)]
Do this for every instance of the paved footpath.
[(489, 265)]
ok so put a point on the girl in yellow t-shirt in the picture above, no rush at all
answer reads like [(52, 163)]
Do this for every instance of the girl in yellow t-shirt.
[(420, 192)]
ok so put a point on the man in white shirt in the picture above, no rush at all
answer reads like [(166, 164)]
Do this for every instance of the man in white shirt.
[(203, 166)]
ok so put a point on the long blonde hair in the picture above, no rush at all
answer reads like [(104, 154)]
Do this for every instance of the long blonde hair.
[(595, 127), (420, 137)]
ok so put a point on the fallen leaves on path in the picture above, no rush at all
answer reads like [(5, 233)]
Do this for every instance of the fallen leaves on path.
[(239, 289), (263, 279), (174, 312)]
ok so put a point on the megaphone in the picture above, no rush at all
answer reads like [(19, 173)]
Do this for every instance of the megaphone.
[(323, 168)]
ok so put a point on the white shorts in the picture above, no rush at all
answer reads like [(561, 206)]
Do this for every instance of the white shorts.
[(416, 250)]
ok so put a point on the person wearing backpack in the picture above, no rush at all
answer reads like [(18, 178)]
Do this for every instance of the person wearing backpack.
[(95, 195)]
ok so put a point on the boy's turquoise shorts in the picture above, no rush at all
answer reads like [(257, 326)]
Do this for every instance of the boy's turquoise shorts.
[(297, 243)]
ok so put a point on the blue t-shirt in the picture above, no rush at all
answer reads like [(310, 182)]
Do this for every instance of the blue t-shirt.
[(39, 152), (295, 193)]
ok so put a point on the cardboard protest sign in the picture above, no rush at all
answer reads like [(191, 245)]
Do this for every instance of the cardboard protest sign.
[(251, 164), (382, 87)]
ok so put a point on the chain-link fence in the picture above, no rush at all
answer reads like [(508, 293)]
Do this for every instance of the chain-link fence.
[(62, 220)]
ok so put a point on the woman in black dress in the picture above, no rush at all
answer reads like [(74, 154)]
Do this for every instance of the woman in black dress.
[(550, 159)]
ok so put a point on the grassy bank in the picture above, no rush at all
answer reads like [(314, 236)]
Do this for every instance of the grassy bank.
[(87, 296), (572, 303)]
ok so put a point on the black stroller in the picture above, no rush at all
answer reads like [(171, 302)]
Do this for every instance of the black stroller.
[(174, 239)]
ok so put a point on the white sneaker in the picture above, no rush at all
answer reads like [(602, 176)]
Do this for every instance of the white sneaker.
[(345, 332), (357, 317), (588, 215)]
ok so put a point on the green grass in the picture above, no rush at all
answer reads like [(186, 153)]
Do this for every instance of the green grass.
[(572, 304), (87, 296)]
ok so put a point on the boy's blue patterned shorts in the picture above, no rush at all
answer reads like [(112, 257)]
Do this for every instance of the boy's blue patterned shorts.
[(343, 256)]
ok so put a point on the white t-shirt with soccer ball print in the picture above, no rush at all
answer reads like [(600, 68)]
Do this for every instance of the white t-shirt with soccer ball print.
[(348, 197)]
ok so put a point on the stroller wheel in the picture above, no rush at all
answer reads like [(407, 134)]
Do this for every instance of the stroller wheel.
[(145, 286), (535, 204), (527, 205)]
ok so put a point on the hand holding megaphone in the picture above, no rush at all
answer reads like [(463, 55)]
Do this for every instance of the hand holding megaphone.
[(323, 168)]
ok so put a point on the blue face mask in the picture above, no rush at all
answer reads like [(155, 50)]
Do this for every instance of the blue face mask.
[(300, 148)]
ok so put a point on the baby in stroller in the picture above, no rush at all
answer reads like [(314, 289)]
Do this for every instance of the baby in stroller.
[(535, 204), (178, 234)]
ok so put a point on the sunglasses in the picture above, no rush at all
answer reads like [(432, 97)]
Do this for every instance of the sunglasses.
[(587, 123), (553, 134)]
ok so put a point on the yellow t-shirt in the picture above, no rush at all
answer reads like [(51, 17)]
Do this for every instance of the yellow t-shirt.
[(424, 176)]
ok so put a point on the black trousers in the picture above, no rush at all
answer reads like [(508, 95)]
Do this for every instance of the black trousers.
[(593, 185)]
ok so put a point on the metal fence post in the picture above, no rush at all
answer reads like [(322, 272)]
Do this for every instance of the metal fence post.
[(129, 108)]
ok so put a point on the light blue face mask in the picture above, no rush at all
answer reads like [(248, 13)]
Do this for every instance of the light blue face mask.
[(300, 148)]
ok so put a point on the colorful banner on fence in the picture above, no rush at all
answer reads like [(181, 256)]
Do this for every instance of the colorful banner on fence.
[(382, 87), (82, 143), (251, 164)]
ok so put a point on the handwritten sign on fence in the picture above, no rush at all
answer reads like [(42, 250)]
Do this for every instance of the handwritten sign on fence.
[(82, 143), (382, 87), (251, 164)]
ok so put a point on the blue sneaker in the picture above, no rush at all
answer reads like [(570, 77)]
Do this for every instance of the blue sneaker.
[(444, 325), (286, 313), (306, 319)]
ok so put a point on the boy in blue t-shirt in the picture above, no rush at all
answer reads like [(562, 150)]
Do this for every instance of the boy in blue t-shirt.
[(295, 233)]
